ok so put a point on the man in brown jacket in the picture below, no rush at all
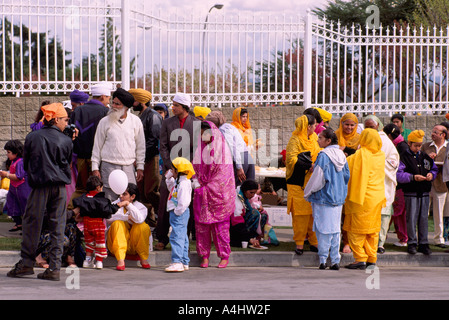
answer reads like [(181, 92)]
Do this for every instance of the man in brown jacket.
[(176, 140), (437, 151)]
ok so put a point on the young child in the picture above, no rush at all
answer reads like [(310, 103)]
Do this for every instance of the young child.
[(94, 207), (180, 186), (327, 190), (19, 189), (416, 172)]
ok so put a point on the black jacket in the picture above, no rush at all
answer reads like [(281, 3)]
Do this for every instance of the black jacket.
[(47, 156), (95, 207), (86, 118), (301, 168), (152, 123)]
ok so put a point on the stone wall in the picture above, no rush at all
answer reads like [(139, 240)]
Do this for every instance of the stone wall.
[(18, 113)]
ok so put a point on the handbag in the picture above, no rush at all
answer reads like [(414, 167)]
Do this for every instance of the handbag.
[(302, 166)]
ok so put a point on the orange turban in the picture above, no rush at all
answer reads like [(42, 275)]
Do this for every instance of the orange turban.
[(54, 110), (141, 95)]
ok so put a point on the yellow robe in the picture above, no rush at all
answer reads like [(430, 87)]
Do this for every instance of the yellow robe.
[(298, 143), (366, 187)]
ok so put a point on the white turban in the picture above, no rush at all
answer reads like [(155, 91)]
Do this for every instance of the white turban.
[(101, 89), (182, 98)]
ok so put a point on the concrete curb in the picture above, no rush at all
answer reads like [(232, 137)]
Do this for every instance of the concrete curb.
[(269, 259)]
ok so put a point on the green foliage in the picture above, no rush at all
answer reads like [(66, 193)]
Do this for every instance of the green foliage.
[(430, 13), (354, 12)]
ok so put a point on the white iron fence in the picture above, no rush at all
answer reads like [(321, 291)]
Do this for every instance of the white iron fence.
[(397, 69), (56, 47)]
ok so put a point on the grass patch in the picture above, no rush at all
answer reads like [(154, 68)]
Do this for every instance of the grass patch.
[(10, 244)]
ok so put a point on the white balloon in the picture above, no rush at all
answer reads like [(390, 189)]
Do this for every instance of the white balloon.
[(118, 181)]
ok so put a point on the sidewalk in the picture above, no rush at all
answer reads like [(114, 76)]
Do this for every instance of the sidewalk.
[(262, 258)]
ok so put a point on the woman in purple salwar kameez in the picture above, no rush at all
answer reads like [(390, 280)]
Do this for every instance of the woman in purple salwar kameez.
[(214, 199), (19, 189)]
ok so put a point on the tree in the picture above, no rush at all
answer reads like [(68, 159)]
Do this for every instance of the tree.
[(33, 47), (351, 17), (355, 12), (109, 52), (431, 13)]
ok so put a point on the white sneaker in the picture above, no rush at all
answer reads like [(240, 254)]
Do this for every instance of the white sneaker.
[(186, 267), (88, 263), (99, 265), (175, 267), (400, 244)]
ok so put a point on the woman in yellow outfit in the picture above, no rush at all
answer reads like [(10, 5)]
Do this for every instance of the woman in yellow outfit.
[(127, 231), (365, 199), (348, 140), (303, 139)]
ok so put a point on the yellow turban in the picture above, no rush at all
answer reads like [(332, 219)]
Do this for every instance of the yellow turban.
[(54, 110), (325, 115), (185, 166), (140, 95), (201, 111), (416, 136)]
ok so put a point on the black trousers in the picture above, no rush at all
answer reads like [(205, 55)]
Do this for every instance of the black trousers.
[(44, 203)]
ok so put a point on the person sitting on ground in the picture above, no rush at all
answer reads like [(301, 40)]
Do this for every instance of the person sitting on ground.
[(128, 233), (247, 223)]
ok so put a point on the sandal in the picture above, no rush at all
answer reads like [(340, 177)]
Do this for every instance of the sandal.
[(159, 246), (204, 263), (15, 228)]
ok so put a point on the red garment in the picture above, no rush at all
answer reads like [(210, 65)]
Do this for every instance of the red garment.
[(182, 121), (94, 237)]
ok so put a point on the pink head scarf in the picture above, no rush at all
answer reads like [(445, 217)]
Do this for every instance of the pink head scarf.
[(214, 201)]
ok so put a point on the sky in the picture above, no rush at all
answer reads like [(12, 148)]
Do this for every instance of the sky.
[(233, 6)]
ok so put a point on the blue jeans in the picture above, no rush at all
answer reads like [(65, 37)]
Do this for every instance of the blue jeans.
[(328, 242), (179, 239)]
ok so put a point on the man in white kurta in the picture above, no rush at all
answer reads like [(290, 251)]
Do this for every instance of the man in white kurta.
[(119, 143)]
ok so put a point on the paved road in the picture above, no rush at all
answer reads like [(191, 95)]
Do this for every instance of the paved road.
[(233, 283)]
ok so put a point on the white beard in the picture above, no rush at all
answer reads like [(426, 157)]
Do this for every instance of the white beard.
[(115, 114)]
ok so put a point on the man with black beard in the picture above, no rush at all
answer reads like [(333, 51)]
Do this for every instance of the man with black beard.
[(152, 122), (119, 143)]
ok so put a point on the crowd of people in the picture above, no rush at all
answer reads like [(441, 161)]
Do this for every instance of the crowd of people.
[(191, 175), (356, 181)]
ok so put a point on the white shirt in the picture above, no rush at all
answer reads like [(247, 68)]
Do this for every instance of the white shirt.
[(120, 143), (136, 213), (182, 194), (391, 167), (235, 142)]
